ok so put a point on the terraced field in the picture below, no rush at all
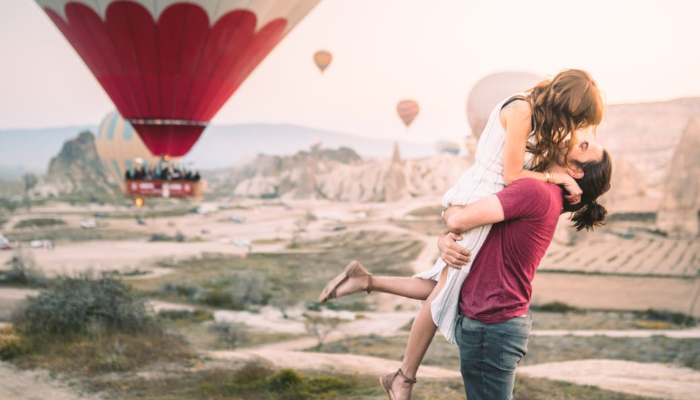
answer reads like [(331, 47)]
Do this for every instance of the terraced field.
[(642, 255)]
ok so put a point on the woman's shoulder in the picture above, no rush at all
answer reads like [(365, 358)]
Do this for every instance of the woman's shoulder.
[(516, 108)]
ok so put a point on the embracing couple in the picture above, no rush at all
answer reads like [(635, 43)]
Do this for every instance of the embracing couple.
[(531, 166)]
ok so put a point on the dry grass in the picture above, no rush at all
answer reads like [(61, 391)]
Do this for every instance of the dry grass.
[(681, 352), (96, 354), (288, 277)]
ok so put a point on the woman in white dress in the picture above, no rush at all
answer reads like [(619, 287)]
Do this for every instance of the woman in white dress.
[(523, 137)]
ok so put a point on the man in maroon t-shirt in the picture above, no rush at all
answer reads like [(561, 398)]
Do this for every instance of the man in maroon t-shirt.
[(494, 328)]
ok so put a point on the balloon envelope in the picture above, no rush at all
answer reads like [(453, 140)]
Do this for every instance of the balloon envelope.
[(170, 65), (448, 147), (323, 59), (408, 111), (490, 90), (121, 149)]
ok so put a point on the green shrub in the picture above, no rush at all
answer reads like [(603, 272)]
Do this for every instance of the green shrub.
[(23, 271), (194, 316), (76, 305), (220, 298), (230, 334), (39, 223), (670, 317), (555, 306), (185, 290)]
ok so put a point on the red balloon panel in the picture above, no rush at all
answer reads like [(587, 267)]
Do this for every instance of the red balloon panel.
[(178, 68)]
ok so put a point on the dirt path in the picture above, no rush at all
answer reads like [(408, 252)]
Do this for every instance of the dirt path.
[(338, 363), (642, 379), (16, 384), (631, 333)]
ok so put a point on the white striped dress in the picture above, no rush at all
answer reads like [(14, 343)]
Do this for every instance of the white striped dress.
[(483, 179)]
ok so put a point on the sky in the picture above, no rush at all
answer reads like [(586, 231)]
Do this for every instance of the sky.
[(432, 51)]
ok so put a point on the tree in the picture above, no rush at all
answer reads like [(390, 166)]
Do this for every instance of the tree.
[(320, 326)]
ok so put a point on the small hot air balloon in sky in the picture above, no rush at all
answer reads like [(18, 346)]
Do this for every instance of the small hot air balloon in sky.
[(120, 149), (408, 111), (170, 65), (323, 59), (490, 90)]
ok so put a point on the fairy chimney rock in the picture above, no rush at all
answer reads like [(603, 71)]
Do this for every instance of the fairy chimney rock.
[(679, 214)]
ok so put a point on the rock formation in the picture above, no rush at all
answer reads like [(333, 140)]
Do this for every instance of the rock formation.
[(76, 169), (395, 187), (342, 176), (642, 139), (679, 214)]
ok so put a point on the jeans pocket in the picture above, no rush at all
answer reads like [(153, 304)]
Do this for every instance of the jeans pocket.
[(513, 348)]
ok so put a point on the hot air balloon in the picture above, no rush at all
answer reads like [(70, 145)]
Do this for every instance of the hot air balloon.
[(120, 149), (448, 147), (490, 90), (323, 59), (170, 65), (408, 111)]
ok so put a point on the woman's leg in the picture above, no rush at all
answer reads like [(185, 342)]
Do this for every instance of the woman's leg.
[(422, 333), (412, 288)]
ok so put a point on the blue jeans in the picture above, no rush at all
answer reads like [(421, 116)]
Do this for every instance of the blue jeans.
[(488, 355)]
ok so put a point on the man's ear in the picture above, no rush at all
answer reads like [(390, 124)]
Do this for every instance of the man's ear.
[(575, 172)]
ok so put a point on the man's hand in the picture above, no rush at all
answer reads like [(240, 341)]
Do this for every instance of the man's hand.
[(453, 254)]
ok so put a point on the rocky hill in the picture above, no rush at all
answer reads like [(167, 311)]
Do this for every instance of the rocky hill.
[(642, 139), (76, 170), (341, 175)]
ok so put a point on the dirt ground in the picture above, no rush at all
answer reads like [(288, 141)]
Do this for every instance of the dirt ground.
[(276, 225), (18, 384), (644, 379)]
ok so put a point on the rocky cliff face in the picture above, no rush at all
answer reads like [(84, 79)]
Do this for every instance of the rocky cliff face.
[(343, 176), (642, 139), (76, 169), (679, 214)]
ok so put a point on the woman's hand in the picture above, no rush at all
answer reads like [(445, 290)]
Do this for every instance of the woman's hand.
[(453, 254), (561, 176)]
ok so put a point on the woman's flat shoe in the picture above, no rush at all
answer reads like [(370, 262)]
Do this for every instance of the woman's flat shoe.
[(387, 380), (353, 270)]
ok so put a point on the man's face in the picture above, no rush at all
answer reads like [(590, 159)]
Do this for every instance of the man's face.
[(585, 151)]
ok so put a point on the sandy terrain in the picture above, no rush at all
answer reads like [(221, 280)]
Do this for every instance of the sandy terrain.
[(17, 384), (642, 256), (341, 363), (653, 380), (618, 292)]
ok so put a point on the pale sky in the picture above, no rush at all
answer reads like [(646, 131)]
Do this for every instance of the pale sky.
[(432, 51)]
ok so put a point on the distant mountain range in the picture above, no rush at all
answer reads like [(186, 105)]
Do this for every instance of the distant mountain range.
[(30, 150)]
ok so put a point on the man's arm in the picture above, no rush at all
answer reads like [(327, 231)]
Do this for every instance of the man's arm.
[(459, 219)]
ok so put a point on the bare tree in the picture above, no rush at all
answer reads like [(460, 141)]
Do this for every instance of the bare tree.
[(320, 326)]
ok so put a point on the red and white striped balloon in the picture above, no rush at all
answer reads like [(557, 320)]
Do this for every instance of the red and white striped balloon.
[(408, 111)]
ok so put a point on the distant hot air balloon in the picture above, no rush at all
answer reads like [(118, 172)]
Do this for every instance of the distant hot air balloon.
[(170, 65), (490, 90), (121, 149), (408, 111), (448, 147), (323, 59)]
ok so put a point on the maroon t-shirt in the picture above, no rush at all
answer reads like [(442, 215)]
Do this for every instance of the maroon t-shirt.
[(499, 285)]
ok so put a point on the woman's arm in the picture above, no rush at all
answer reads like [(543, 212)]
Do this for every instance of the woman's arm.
[(516, 118)]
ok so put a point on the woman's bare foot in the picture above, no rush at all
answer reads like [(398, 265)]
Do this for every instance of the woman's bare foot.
[(354, 279)]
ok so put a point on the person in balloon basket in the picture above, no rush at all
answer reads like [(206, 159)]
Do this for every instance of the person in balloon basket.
[(529, 135)]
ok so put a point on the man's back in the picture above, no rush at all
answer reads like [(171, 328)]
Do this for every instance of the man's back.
[(499, 285)]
